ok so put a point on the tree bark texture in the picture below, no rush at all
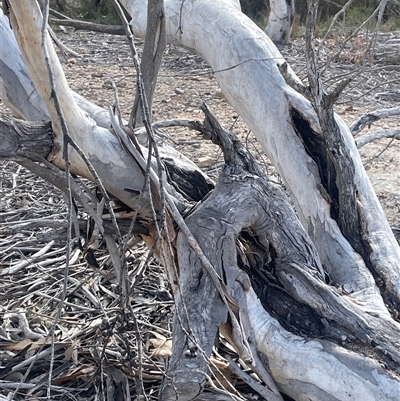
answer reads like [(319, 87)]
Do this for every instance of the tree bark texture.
[(153, 50), (246, 74), (245, 205), (279, 256), (280, 301), (21, 139)]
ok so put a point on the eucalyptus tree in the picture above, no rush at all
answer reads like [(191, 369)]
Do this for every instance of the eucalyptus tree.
[(306, 290), (280, 20)]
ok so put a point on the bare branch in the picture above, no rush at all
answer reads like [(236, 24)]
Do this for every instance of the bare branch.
[(368, 118), (335, 18), (90, 26), (153, 50), (373, 136)]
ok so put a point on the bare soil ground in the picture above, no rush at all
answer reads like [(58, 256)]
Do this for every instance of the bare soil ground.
[(96, 350)]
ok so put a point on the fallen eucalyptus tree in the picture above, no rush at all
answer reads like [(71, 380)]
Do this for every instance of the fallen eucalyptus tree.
[(309, 303)]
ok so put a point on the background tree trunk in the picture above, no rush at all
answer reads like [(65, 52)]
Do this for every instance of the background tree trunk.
[(154, 46), (280, 21)]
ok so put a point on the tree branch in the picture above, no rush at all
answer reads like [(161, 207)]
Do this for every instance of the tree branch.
[(373, 136), (90, 26), (153, 50), (369, 118)]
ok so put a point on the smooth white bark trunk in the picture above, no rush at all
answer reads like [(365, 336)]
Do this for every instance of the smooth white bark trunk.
[(280, 21), (246, 62), (103, 149), (316, 370), (17, 90)]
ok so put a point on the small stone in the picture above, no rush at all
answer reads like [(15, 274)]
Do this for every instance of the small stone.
[(72, 60), (179, 91), (107, 84), (168, 80), (205, 161), (219, 95)]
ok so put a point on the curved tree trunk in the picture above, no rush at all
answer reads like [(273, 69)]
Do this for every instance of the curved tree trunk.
[(268, 292), (16, 88), (281, 119), (280, 21)]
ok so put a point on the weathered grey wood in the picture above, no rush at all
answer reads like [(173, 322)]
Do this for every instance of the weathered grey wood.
[(199, 311), (244, 201), (21, 139), (329, 151), (217, 222), (244, 207), (369, 118), (153, 50), (375, 135), (246, 74)]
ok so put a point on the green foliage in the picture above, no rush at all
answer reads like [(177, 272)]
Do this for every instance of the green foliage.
[(257, 10), (392, 24), (356, 14), (359, 12), (100, 11)]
